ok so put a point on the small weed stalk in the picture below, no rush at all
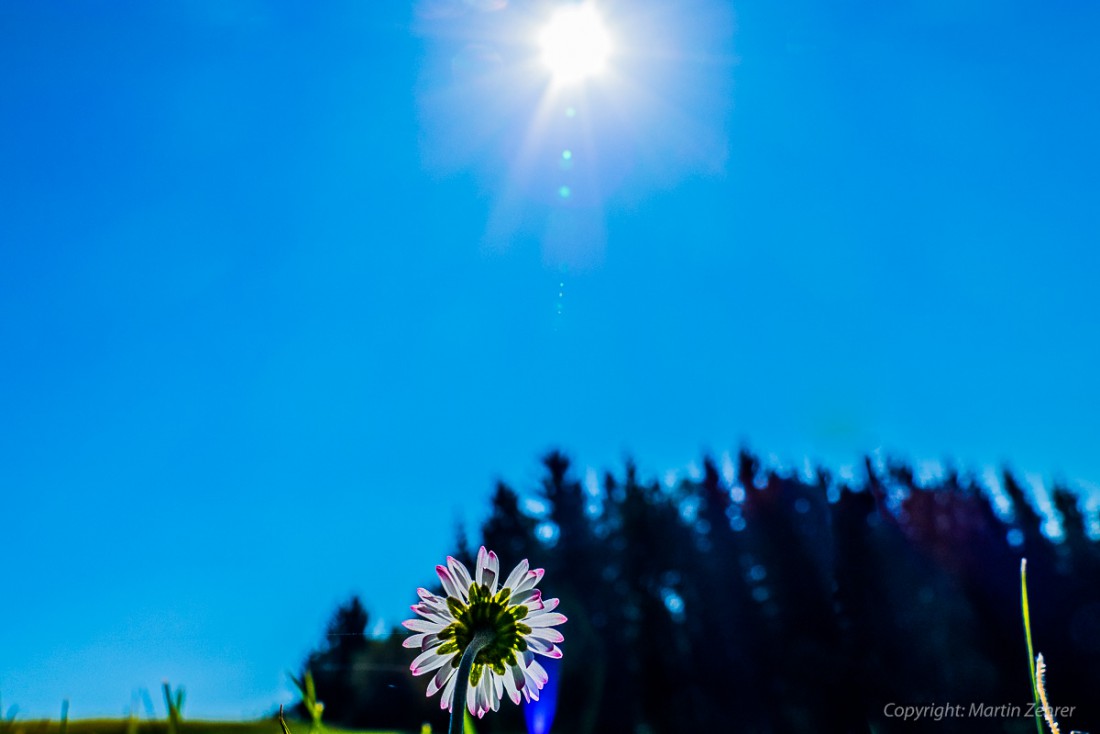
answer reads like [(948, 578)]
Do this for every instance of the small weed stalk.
[(175, 705), (1040, 684), (64, 728), (1038, 670), (308, 691)]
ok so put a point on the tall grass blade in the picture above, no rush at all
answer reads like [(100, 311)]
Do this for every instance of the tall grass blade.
[(132, 720), (1030, 647), (175, 706), (282, 721), (308, 691)]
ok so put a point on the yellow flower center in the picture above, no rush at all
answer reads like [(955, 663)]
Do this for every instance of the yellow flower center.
[(486, 613)]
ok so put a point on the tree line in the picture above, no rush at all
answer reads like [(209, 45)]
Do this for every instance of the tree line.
[(770, 602)]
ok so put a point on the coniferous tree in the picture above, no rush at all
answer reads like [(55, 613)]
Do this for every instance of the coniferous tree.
[(771, 603), (508, 530), (334, 666)]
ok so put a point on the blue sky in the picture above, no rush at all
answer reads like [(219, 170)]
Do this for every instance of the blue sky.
[(285, 287)]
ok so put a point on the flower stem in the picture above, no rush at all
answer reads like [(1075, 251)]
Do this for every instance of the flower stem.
[(458, 704)]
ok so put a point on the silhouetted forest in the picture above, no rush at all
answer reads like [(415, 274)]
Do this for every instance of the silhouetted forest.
[(768, 603)]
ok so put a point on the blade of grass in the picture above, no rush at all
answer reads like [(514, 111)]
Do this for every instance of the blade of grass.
[(282, 721), (1030, 647), (308, 692), (132, 719), (175, 706)]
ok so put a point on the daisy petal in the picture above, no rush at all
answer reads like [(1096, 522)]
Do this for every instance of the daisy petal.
[(448, 581), (430, 642), (510, 683), (482, 564), (542, 619), (537, 673), (442, 676), (446, 701), (428, 661), (531, 690), (422, 625), (530, 581), (471, 699), (517, 574), (484, 694), (481, 697), (461, 575), (525, 598), (536, 645), (492, 573), (432, 615), (549, 634), (543, 648)]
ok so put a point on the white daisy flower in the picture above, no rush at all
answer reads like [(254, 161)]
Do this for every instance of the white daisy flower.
[(510, 622)]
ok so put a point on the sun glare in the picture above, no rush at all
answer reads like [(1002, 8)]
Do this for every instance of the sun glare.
[(575, 44)]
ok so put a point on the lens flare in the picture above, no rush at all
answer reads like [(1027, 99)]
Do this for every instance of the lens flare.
[(575, 44)]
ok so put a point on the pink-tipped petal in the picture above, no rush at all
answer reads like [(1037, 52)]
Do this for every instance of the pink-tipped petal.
[(483, 702), (537, 673), (448, 582), (534, 644), (549, 634), (471, 699), (525, 598), (461, 575), (530, 581), (482, 564), (543, 619), (517, 575), (428, 661), (430, 641), (510, 685), (448, 697), (439, 680), (432, 615), (422, 625), (543, 648), (492, 573)]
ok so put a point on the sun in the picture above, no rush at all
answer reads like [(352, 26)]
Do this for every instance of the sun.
[(575, 44)]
